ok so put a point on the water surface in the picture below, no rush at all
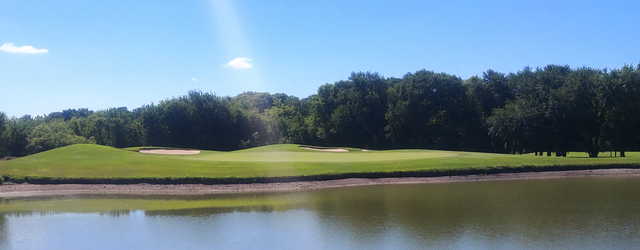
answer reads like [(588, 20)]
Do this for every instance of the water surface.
[(579, 213)]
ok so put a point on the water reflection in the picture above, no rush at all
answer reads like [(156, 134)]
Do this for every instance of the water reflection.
[(4, 234), (589, 213)]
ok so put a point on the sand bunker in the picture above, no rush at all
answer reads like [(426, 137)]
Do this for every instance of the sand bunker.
[(169, 151), (335, 150)]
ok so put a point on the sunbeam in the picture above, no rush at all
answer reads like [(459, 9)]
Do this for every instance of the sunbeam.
[(231, 34)]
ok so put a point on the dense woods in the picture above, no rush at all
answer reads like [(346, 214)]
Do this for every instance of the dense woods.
[(547, 111)]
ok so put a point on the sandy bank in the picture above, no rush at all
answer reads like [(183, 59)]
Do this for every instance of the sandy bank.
[(334, 150), (27, 190), (169, 151)]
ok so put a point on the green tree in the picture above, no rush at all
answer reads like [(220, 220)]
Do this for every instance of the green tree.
[(198, 120), (351, 112), (584, 91), (507, 127), (51, 135), (16, 135), (554, 108), (3, 140), (427, 109), (621, 98)]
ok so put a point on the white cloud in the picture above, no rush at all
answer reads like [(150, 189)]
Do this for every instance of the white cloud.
[(26, 49), (194, 79), (240, 63)]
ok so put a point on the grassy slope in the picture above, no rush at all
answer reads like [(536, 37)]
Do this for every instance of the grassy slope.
[(93, 161)]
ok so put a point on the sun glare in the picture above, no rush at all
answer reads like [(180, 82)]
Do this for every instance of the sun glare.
[(238, 56)]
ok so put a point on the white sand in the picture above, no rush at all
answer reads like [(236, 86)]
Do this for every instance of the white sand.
[(169, 152), (335, 150)]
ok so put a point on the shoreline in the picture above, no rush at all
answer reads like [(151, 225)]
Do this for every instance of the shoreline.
[(35, 190)]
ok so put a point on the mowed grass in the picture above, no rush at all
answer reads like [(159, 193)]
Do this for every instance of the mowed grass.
[(95, 161)]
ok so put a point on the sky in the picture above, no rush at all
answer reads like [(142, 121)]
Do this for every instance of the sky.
[(64, 54)]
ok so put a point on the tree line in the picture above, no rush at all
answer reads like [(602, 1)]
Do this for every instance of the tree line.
[(547, 111)]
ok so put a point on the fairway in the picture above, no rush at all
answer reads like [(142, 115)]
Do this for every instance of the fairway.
[(85, 161)]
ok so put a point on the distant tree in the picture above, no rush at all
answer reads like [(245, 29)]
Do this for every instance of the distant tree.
[(351, 112), (115, 127), (490, 92), (3, 121), (261, 125), (621, 97), (155, 130), (3, 140), (507, 127), (484, 95), (550, 109), (198, 120), (51, 135), (16, 135), (255, 102), (427, 109), (584, 91), (289, 123), (538, 110), (288, 117), (68, 114)]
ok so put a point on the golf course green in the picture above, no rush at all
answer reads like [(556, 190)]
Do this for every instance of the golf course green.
[(86, 163)]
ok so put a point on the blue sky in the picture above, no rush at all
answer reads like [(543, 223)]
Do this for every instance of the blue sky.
[(100, 54)]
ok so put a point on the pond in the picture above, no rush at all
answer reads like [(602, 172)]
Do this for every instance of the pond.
[(576, 213)]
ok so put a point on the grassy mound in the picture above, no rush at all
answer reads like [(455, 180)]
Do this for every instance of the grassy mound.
[(84, 163)]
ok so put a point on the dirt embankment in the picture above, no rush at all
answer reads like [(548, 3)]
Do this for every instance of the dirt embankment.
[(27, 190)]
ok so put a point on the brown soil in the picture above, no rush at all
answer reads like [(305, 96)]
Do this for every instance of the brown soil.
[(27, 190)]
